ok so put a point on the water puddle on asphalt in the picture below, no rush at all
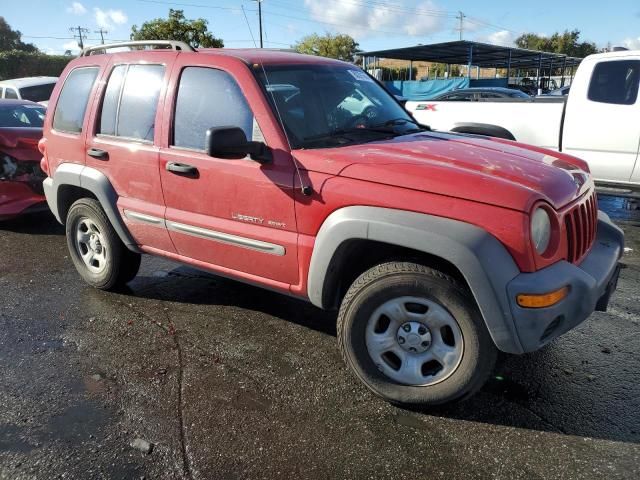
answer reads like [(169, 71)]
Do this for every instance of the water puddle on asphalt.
[(11, 440)]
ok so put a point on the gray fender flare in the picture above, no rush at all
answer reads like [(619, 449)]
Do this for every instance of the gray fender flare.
[(483, 261), (99, 185)]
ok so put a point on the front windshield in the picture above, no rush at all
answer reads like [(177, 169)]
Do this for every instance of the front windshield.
[(332, 105)]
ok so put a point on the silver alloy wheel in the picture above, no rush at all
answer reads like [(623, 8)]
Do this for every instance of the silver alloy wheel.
[(414, 341), (91, 245)]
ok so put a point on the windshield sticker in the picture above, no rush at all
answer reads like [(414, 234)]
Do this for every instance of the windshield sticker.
[(360, 76)]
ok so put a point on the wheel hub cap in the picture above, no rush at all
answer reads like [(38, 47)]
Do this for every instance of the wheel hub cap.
[(90, 245), (414, 337), (414, 341)]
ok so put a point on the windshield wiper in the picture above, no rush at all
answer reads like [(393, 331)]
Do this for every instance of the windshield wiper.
[(345, 132), (401, 121)]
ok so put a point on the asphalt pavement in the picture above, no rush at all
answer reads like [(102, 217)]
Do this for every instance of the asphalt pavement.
[(189, 376)]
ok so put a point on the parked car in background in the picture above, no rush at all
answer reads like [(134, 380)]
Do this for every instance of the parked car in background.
[(597, 121), (303, 175), (35, 89), (560, 92), (20, 174), (480, 93)]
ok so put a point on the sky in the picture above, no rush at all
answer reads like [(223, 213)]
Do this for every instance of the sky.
[(375, 24)]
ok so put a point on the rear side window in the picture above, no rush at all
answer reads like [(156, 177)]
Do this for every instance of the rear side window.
[(615, 82), (459, 97), (37, 93), (208, 98), (10, 93), (72, 103), (131, 101)]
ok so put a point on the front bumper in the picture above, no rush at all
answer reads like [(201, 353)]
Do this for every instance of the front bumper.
[(591, 284)]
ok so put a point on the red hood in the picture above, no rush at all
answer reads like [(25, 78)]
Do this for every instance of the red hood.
[(490, 171), (21, 143)]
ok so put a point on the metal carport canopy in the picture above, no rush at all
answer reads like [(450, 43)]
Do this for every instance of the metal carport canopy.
[(478, 54)]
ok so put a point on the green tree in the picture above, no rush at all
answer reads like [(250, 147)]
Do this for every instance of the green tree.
[(12, 39), (340, 46), (177, 27), (567, 43)]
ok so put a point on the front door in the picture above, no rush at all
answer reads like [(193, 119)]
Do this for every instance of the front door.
[(233, 216)]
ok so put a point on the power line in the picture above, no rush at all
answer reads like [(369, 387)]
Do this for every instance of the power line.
[(387, 7), (73, 38), (233, 9)]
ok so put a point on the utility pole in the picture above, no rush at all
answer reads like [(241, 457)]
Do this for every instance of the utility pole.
[(461, 16), (102, 34), (81, 35), (260, 19)]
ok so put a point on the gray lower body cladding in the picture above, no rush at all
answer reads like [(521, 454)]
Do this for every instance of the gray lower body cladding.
[(94, 181)]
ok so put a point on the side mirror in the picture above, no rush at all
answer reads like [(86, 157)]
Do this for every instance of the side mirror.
[(232, 143)]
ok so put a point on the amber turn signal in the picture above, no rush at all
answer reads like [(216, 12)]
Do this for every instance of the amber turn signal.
[(527, 300)]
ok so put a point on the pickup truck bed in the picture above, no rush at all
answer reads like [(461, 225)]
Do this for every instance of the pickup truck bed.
[(597, 122)]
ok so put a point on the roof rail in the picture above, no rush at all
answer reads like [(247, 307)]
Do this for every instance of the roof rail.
[(156, 44)]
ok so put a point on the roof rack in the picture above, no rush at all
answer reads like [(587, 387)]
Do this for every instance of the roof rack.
[(155, 44)]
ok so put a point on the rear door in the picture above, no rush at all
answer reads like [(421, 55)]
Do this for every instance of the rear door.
[(601, 121), (235, 216), (123, 144)]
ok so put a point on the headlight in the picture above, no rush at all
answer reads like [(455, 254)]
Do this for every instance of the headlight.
[(540, 230)]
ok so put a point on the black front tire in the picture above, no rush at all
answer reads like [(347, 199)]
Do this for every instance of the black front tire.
[(121, 265), (400, 279)]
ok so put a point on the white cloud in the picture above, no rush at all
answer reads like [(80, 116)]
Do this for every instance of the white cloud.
[(395, 16), (71, 45), (632, 43), (77, 8), (503, 38), (109, 18)]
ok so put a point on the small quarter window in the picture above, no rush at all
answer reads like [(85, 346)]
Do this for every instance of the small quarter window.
[(208, 98), (615, 82), (72, 103), (10, 93)]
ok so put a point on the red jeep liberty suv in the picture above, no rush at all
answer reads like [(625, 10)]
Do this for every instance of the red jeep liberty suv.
[(303, 175)]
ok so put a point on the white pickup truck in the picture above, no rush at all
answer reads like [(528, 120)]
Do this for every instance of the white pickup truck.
[(599, 121)]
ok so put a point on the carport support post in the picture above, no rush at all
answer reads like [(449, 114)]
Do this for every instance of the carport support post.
[(509, 68), (470, 61), (538, 87), (564, 70), (410, 70)]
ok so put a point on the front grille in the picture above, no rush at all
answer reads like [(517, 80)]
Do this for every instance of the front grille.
[(581, 223)]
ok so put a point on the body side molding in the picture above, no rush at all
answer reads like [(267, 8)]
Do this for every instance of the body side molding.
[(214, 235), (481, 258)]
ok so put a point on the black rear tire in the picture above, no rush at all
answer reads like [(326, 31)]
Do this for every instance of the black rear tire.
[(120, 264), (396, 280)]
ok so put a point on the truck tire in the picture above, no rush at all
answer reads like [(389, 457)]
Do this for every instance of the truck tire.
[(97, 252), (414, 336)]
